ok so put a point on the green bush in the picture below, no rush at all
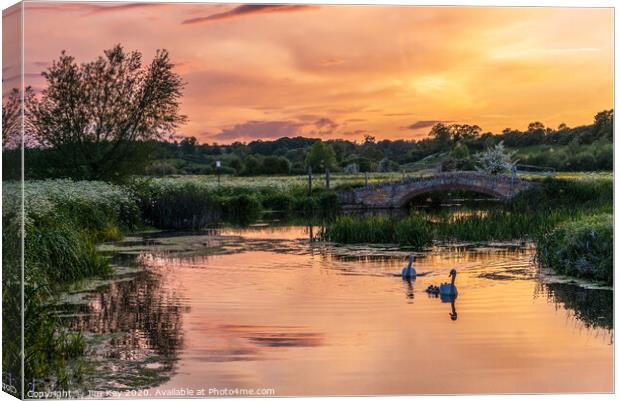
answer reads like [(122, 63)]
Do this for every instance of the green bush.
[(282, 202), (276, 165), (582, 248), (195, 204), (552, 193), (241, 208), (177, 205)]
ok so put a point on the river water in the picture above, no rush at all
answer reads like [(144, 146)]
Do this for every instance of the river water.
[(265, 309)]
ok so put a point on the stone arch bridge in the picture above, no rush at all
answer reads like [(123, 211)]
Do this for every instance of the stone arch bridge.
[(398, 194)]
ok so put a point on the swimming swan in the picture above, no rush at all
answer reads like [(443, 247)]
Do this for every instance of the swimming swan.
[(449, 289), (445, 290), (409, 271)]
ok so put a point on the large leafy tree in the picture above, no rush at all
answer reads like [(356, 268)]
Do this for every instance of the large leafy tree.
[(96, 118), (321, 156)]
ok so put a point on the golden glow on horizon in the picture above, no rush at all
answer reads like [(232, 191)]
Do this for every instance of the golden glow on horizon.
[(344, 71)]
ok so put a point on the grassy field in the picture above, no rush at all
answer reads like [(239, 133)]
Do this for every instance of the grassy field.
[(282, 182), (338, 180)]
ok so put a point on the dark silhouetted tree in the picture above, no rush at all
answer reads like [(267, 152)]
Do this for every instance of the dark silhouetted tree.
[(605, 117), (96, 117), (460, 132), (536, 126), (441, 133), (12, 120)]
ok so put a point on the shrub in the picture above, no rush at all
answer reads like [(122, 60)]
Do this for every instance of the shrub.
[(281, 202), (582, 248), (177, 204), (328, 203), (386, 165), (241, 208), (556, 193), (276, 165), (306, 205), (161, 168), (495, 160)]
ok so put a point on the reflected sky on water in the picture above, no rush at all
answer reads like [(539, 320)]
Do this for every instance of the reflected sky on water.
[(270, 309)]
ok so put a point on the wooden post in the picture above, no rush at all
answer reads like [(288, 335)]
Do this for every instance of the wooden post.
[(327, 177), (366, 178), (309, 181)]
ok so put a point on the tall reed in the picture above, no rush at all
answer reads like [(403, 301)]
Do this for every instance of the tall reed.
[(62, 221), (415, 230)]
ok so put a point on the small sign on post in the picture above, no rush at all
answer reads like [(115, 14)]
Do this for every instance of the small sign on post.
[(218, 166)]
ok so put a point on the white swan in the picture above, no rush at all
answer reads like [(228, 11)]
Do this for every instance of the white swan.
[(448, 290), (409, 271)]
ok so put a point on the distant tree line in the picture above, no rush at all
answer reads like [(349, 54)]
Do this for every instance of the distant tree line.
[(583, 148)]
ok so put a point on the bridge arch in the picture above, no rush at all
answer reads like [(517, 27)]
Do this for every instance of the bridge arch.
[(406, 197), (398, 194)]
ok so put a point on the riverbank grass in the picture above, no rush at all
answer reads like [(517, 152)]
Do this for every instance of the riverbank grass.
[(581, 248)]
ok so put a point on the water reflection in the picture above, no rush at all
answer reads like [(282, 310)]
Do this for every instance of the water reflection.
[(409, 287), (138, 325), (453, 314), (595, 308), (280, 312)]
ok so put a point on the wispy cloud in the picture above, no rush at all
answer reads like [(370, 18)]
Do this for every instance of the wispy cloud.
[(325, 123), (252, 130), (357, 132), (260, 130), (89, 9), (248, 9), (328, 62), (101, 9), (426, 123), (397, 114)]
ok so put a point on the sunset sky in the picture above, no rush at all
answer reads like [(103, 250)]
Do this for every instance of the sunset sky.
[(344, 71)]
